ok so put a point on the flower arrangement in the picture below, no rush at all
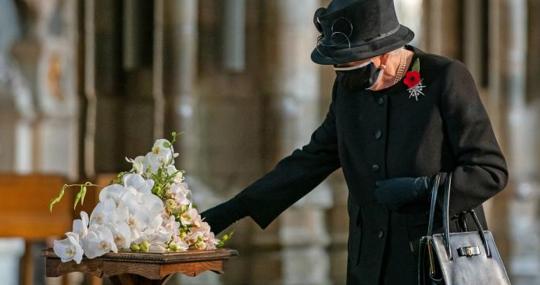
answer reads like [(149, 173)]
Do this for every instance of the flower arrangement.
[(147, 209)]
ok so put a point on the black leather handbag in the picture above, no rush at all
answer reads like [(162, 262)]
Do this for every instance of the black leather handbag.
[(458, 258)]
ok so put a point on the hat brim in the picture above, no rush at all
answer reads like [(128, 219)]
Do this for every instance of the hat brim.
[(331, 56)]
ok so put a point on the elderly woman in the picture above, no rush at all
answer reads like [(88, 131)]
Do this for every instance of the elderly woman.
[(398, 117)]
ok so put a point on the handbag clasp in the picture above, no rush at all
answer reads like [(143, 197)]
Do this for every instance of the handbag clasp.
[(468, 251)]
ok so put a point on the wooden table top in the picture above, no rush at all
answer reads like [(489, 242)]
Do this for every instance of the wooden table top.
[(150, 266)]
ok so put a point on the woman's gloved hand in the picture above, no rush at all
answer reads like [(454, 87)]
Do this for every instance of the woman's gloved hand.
[(397, 192), (223, 215)]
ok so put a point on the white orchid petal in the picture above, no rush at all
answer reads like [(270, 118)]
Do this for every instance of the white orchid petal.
[(103, 212), (113, 191), (68, 249), (122, 235), (99, 241)]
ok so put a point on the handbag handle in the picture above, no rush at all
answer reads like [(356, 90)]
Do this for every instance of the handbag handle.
[(434, 190), (446, 213)]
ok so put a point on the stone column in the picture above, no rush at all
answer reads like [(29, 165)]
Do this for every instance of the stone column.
[(103, 89), (497, 209), (523, 139), (47, 55), (293, 94), (157, 69), (234, 31), (180, 43), (17, 115), (180, 70), (39, 115), (411, 15), (473, 38), (441, 24), (17, 106)]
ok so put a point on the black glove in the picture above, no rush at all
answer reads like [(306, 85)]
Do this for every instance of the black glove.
[(397, 192), (223, 215)]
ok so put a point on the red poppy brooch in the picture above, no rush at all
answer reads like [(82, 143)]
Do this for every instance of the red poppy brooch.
[(413, 80)]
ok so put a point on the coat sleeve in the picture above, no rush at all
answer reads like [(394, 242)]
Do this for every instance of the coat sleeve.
[(295, 175), (480, 170)]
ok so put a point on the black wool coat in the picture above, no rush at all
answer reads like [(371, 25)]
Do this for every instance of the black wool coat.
[(375, 135)]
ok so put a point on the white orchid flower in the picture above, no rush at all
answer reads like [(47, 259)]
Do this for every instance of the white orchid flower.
[(179, 244), (80, 226), (204, 228), (211, 244), (68, 249), (138, 223), (197, 240), (152, 163), (178, 177), (164, 151), (210, 238), (180, 193), (103, 212), (138, 164), (98, 241), (121, 213), (130, 199), (171, 225), (136, 181), (113, 191), (191, 217), (154, 237), (121, 234), (204, 232), (153, 204), (129, 216)]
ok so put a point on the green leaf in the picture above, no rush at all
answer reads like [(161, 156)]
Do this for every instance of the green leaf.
[(416, 65)]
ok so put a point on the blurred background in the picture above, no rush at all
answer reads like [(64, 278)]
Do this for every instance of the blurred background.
[(85, 83)]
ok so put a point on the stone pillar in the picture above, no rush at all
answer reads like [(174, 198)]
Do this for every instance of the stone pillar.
[(497, 209), (180, 37), (411, 15), (441, 24), (157, 70), (180, 70), (17, 114), (103, 89), (523, 140), (473, 38), (17, 105), (234, 31), (293, 90), (39, 101), (47, 55)]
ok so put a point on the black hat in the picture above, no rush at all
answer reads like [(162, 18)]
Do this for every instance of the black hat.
[(353, 30)]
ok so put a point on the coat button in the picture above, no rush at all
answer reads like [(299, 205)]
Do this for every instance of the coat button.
[(380, 234), (380, 101), (375, 167), (378, 134)]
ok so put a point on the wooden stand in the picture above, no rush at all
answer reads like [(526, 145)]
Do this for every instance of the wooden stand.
[(142, 268)]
